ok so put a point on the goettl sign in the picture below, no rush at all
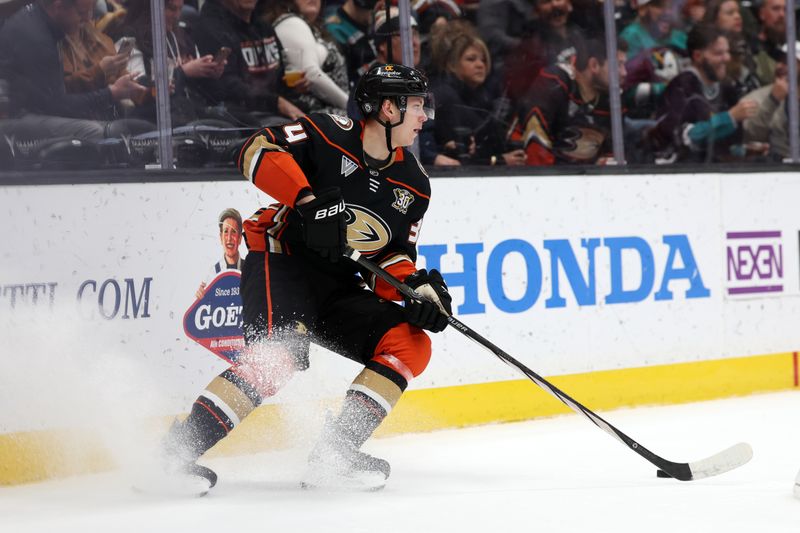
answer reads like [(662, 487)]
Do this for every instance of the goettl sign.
[(215, 320)]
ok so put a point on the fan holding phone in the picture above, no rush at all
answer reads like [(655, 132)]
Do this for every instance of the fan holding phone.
[(186, 67)]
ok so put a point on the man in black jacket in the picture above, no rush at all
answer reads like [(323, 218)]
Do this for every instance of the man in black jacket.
[(251, 83), (31, 64)]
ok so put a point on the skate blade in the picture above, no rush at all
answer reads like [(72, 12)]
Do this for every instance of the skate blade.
[(184, 486), (338, 482)]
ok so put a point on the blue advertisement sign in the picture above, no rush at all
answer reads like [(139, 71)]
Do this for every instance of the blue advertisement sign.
[(215, 319)]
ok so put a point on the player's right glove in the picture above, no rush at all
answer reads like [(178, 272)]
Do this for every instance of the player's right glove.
[(432, 313), (324, 224)]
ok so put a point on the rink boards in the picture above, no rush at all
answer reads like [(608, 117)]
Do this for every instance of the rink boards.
[(629, 290)]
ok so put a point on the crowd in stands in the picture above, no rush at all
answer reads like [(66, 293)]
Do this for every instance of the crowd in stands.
[(514, 82)]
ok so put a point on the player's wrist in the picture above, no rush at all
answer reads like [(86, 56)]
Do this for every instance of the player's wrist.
[(304, 196)]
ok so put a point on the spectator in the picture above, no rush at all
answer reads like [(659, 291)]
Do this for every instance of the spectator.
[(251, 83), (551, 42), (700, 117), (566, 113), (90, 60), (647, 77), (187, 101), (349, 26), (502, 24), (770, 125), (29, 60), (432, 15), (315, 54), (653, 27), (470, 125), (692, 13), (441, 42), (726, 15), (771, 37), (384, 34)]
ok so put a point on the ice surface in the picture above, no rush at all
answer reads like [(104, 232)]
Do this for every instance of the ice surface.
[(554, 475)]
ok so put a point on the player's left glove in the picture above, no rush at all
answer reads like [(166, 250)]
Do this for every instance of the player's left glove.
[(325, 224), (432, 313)]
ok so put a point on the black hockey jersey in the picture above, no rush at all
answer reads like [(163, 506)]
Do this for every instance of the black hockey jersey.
[(385, 206), (559, 127)]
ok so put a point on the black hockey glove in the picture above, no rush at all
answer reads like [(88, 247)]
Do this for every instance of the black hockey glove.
[(432, 313), (324, 224)]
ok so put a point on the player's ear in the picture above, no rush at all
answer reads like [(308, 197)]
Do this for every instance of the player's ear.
[(388, 108)]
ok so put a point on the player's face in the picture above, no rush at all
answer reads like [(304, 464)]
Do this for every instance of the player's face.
[(230, 237), (415, 117), (729, 18), (472, 68)]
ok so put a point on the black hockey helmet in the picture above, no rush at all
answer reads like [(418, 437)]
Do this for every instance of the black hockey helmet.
[(397, 82)]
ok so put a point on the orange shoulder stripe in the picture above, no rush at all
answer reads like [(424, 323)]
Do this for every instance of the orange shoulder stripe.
[(409, 187), (357, 160)]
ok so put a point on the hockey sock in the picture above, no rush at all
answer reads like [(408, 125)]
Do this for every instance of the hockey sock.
[(371, 396), (227, 400)]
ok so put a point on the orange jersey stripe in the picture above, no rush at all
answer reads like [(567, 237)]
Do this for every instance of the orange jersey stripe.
[(354, 158), (410, 188)]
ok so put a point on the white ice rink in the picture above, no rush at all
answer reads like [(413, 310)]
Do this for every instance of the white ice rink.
[(554, 475)]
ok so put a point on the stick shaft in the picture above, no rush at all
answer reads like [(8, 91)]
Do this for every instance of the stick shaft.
[(677, 470)]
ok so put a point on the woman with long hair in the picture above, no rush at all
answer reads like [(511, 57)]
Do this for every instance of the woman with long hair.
[(471, 124)]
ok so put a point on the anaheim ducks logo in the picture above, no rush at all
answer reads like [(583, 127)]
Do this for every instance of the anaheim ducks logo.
[(343, 122), (366, 231)]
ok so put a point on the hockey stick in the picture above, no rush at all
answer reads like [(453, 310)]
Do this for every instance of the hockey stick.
[(719, 463)]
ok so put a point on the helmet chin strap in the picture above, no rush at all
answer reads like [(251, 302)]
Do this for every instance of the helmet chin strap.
[(388, 125)]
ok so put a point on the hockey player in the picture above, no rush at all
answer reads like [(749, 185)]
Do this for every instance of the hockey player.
[(337, 182)]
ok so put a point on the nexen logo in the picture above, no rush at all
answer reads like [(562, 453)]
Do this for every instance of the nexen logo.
[(679, 265)]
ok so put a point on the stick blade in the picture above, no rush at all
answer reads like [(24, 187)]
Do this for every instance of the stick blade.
[(724, 461)]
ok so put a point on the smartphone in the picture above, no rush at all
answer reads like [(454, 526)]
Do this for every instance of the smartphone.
[(126, 45), (222, 54)]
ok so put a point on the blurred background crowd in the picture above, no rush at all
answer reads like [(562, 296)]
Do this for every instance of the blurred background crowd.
[(513, 82)]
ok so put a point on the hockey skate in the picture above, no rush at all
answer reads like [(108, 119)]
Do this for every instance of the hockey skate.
[(336, 464), (177, 473)]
